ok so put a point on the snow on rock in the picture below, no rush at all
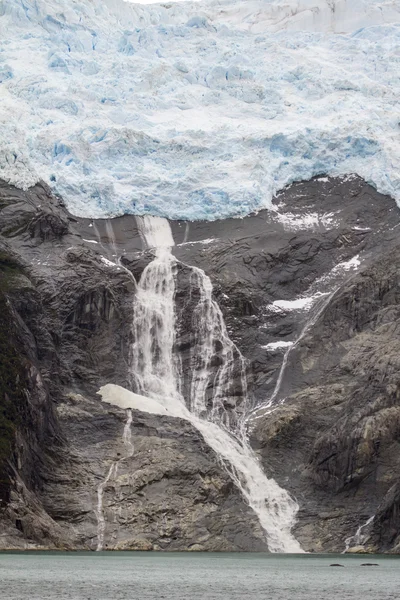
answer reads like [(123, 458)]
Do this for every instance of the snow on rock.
[(119, 396), (298, 304), (196, 110), (303, 303), (204, 242), (109, 263), (271, 347), (307, 220), (352, 264)]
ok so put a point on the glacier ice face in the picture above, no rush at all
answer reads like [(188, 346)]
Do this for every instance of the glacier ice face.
[(196, 110)]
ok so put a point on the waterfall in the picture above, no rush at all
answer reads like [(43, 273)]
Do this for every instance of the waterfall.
[(112, 473), (360, 536), (265, 408), (156, 374), (153, 365), (101, 522), (209, 332), (127, 435)]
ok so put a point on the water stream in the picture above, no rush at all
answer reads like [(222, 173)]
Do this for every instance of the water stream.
[(209, 333), (361, 535), (310, 323), (156, 374), (112, 473), (101, 522)]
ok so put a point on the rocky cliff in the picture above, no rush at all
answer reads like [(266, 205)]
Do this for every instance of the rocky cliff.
[(309, 293)]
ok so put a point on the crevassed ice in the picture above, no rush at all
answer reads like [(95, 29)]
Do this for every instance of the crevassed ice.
[(196, 110)]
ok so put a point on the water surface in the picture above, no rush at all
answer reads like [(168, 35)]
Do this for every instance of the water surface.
[(195, 576)]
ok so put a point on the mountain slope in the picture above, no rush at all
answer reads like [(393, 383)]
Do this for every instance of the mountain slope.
[(317, 284)]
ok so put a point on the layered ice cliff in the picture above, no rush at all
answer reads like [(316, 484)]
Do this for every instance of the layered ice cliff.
[(196, 109)]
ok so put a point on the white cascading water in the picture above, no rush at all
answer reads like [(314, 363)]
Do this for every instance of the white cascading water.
[(101, 522), (112, 472), (156, 374), (153, 364), (209, 332), (310, 323), (127, 435), (360, 536)]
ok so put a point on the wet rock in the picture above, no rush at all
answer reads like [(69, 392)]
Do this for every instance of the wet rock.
[(171, 492), (385, 529), (331, 439), (346, 403)]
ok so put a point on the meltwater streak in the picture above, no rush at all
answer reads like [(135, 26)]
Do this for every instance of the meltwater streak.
[(101, 522), (360, 536), (310, 323), (112, 472), (326, 298), (271, 404), (156, 374), (127, 435)]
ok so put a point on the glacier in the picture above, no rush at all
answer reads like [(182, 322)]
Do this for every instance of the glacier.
[(196, 110)]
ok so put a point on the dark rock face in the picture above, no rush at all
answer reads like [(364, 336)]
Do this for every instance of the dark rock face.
[(385, 530), (339, 423), (29, 434), (310, 295), (73, 312)]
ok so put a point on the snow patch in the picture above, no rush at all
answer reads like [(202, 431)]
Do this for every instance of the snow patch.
[(352, 264), (204, 242), (296, 222), (109, 263), (304, 303), (119, 396), (277, 346)]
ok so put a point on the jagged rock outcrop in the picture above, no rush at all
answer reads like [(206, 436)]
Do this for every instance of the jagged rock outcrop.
[(312, 285), (339, 423), (29, 433)]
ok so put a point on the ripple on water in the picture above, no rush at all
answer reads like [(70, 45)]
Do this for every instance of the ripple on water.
[(188, 576)]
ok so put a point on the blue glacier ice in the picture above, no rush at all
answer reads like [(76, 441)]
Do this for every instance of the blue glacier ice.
[(197, 110)]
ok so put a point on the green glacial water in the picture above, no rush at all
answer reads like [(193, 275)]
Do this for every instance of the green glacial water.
[(190, 576)]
